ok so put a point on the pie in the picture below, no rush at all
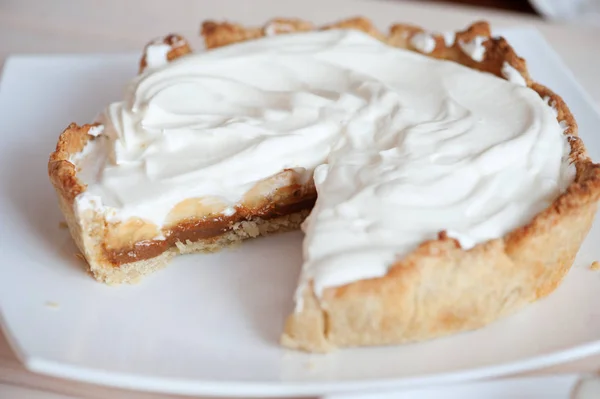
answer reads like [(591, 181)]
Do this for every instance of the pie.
[(439, 187)]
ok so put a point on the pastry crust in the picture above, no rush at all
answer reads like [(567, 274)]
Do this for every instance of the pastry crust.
[(436, 290), (439, 288)]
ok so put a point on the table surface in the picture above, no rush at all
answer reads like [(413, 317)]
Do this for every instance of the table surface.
[(30, 26)]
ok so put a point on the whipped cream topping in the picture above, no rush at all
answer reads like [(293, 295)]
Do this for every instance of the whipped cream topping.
[(95, 131), (474, 48), (423, 41), (401, 146), (449, 38), (512, 75), (156, 55), (275, 27)]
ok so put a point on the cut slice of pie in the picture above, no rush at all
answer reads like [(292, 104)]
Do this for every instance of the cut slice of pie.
[(450, 188)]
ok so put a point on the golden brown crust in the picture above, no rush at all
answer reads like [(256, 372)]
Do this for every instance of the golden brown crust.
[(439, 288), (61, 171), (357, 23), (221, 34)]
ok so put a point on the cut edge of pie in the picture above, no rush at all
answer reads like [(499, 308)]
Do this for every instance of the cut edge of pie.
[(199, 229), (435, 290)]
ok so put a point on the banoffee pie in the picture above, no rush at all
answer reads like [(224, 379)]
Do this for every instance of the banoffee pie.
[(439, 187)]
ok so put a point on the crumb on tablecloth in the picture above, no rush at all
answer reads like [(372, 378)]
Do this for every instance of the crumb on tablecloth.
[(595, 265), (63, 225), (52, 305)]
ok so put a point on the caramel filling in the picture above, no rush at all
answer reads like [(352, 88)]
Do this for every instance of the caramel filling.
[(203, 229)]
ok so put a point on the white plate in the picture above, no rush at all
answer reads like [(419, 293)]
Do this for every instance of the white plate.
[(209, 324)]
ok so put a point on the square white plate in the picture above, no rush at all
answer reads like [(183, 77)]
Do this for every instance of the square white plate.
[(209, 324)]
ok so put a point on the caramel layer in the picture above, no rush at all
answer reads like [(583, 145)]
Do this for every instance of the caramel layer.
[(195, 230)]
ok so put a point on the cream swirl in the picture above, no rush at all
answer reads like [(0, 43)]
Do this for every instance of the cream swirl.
[(402, 146)]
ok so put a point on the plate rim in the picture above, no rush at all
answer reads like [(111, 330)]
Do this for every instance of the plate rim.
[(190, 387)]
